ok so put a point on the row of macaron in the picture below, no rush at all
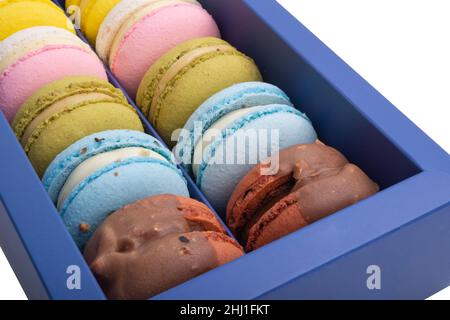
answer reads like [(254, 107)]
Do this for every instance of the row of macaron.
[(170, 85), (203, 82), (68, 97), (73, 119), (52, 82), (45, 121), (167, 54), (169, 94), (52, 102), (144, 42), (127, 206)]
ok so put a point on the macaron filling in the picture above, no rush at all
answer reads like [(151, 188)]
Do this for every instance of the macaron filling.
[(182, 63), (97, 162), (212, 133), (58, 107)]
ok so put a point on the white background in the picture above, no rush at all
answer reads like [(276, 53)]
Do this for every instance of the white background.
[(402, 47)]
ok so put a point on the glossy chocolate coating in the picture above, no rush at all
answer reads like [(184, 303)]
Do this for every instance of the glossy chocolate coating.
[(155, 244)]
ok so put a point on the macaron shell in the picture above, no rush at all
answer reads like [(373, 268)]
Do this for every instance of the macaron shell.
[(63, 165), (199, 214), (204, 77), (115, 19), (142, 44), (112, 24), (247, 94), (311, 182), (309, 203), (255, 187), (58, 91), (57, 133), (292, 128), (172, 214), (195, 84), (32, 39), (251, 193), (93, 12), (16, 15), (29, 74), (226, 248), (156, 72), (237, 96), (115, 186), (284, 217), (159, 264)]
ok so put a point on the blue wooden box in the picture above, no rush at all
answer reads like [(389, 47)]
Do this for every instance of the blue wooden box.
[(404, 230)]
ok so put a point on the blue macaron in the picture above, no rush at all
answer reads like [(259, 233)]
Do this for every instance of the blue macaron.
[(234, 130), (103, 172)]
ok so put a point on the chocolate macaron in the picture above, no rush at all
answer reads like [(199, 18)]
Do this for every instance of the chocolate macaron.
[(155, 244), (308, 182)]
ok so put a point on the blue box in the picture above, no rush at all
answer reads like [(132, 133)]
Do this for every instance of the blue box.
[(404, 229)]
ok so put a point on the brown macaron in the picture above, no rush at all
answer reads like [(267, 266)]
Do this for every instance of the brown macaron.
[(312, 182), (155, 244)]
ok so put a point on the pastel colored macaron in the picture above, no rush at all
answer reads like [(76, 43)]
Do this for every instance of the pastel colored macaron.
[(178, 83), (183, 239), (235, 129), (103, 172), (136, 33), (16, 15), (92, 14), (34, 57), (312, 182), (64, 111)]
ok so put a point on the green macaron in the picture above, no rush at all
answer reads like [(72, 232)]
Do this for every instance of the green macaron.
[(67, 110), (180, 81)]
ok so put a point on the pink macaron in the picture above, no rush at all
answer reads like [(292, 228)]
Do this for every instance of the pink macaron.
[(134, 35), (34, 57)]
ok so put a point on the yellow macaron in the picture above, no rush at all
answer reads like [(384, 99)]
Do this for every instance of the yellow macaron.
[(16, 15), (93, 12)]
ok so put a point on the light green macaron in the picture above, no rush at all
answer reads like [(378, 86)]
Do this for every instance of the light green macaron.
[(67, 110), (180, 81)]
